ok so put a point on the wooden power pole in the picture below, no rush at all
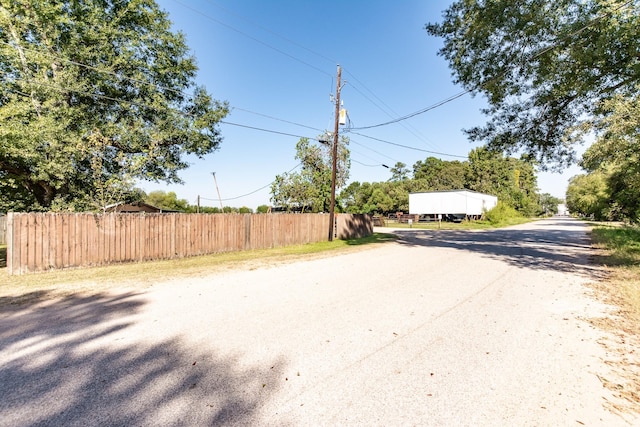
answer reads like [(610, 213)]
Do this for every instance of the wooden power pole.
[(334, 159)]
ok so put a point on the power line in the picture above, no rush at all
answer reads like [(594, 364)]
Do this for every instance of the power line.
[(278, 119), (141, 82), (268, 30), (424, 110), (264, 130), (388, 111), (254, 191), (60, 89), (100, 70), (376, 165), (351, 140), (142, 105), (534, 56), (252, 38), (409, 147)]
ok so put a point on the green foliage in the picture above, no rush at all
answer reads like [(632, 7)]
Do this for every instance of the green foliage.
[(588, 196), (399, 172), (310, 189), (168, 201), (616, 154), (93, 96), (549, 204), (502, 214), (623, 242), (262, 209), (545, 67), (436, 174), (512, 180)]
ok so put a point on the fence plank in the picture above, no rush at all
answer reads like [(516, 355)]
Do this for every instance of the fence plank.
[(4, 238)]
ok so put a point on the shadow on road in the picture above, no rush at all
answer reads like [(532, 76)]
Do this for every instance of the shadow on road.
[(69, 362), (559, 245)]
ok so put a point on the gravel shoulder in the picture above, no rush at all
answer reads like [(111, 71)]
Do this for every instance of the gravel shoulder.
[(440, 328)]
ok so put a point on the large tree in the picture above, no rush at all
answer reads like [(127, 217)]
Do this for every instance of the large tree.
[(512, 180), (545, 67), (616, 156), (588, 195), (310, 187), (95, 94)]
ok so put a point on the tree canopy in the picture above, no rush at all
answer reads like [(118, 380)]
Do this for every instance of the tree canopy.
[(310, 188), (547, 68), (95, 94)]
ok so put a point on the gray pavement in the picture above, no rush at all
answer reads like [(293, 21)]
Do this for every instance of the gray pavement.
[(484, 328)]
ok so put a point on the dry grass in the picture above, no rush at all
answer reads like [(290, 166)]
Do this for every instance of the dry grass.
[(619, 251), (32, 288)]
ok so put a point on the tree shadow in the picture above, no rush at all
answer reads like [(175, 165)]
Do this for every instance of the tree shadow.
[(554, 245), (72, 362), (354, 226)]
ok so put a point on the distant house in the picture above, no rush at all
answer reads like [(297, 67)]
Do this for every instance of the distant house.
[(135, 207)]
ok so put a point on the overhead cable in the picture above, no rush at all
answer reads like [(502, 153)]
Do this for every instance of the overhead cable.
[(534, 56), (252, 38), (254, 191), (409, 147)]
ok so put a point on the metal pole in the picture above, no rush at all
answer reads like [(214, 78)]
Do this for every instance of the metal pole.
[(334, 157), (219, 198)]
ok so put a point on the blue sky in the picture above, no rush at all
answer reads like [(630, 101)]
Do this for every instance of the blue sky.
[(275, 62)]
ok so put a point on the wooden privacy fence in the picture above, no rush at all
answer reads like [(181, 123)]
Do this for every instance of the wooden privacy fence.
[(44, 241), (3, 230)]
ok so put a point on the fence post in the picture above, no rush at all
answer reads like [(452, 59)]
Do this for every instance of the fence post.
[(9, 237)]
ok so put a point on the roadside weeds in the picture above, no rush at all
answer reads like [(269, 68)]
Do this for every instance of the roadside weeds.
[(618, 250)]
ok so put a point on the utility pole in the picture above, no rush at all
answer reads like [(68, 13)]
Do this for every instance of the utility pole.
[(334, 159), (219, 198)]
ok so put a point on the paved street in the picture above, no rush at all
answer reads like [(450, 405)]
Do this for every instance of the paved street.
[(441, 328)]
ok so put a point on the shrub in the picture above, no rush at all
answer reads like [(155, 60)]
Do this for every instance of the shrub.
[(501, 214)]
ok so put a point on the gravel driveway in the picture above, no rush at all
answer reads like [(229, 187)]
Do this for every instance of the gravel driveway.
[(442, 328)]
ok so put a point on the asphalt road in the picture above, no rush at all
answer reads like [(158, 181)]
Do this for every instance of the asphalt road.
[(442, 328)]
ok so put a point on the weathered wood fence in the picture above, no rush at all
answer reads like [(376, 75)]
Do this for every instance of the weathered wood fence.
[(3, 230), (45, 241)]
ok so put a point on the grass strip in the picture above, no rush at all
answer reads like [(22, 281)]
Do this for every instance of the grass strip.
[(35, 287), (619, 252)]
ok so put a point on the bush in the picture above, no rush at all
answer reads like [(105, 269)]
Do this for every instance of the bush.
[(501, 214)]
